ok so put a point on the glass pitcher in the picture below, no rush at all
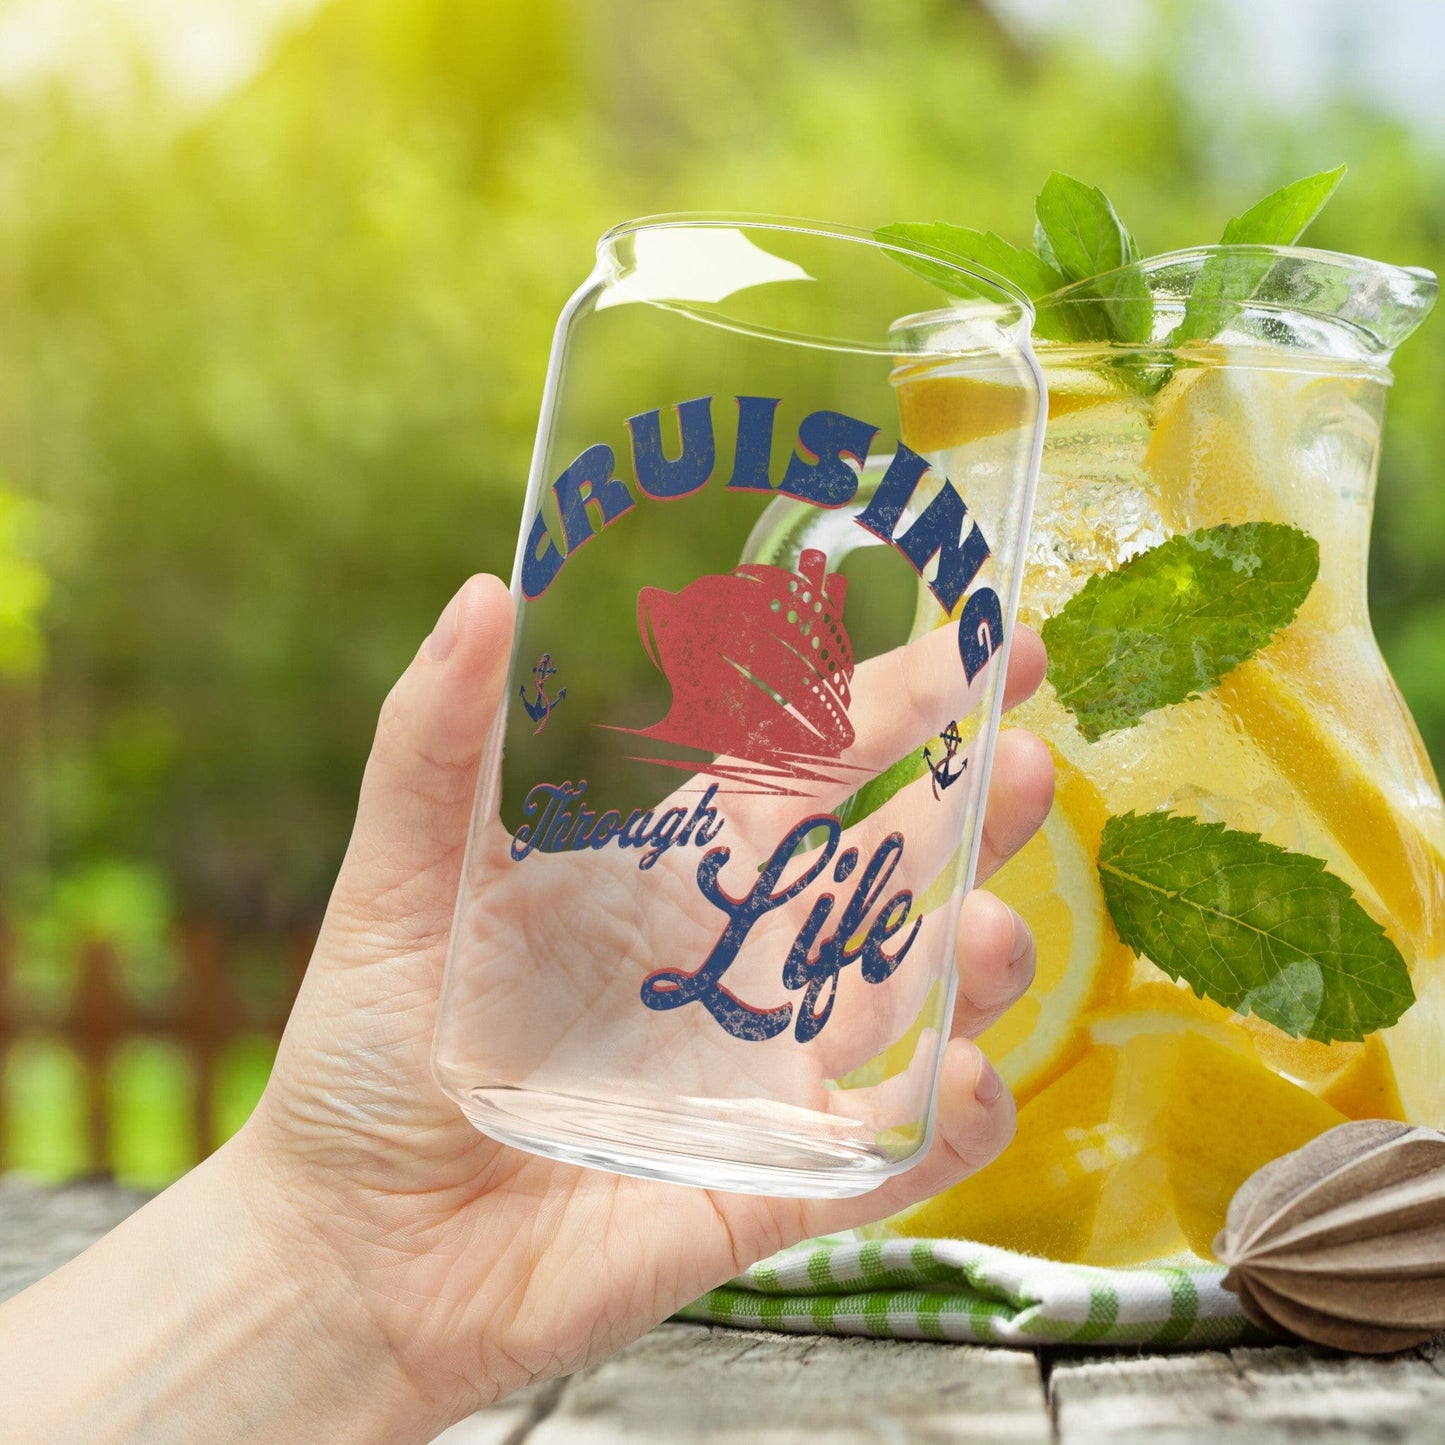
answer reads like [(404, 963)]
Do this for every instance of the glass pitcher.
[(1239, 897)]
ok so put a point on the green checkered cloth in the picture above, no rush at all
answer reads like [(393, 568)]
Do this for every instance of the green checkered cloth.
[(951, 1289)]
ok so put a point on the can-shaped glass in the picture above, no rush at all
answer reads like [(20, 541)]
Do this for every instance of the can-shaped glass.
[(695, 939)]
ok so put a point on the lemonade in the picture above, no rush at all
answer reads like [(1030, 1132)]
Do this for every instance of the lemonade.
[(1148, 1093), (1238, 899)]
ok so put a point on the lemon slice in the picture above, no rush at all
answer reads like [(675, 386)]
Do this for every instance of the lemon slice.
[(1223, 437), (1135, 1150), (937, 413), (1416, 1046), (1221, 1116), (1054, 883), (1402, 866), (1159, 1006), (1042, 1194), (1196, 1112), (1240, 443), (1318, 703), (1219, 435), (1366, 1087), (1358, 1079)]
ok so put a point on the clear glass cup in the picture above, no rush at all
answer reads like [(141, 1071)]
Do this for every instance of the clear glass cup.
[(676, 951), (1144, 1100)]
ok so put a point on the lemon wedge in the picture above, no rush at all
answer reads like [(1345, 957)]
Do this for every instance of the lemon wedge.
[(1355, 1078), (939, 412), (1053, 883), (1042, 1194), (1134, 1151), (1402, 866), (1221, 1116)]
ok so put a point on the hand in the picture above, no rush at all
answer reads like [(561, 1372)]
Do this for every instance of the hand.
[(483, 1267), (358, 1262), (553, 948)]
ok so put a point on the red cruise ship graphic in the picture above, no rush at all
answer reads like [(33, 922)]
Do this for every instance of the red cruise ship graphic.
[(759, 663)]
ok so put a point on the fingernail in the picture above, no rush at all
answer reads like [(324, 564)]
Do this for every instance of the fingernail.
[(1021, 940), (444, 635), (988, 1086)]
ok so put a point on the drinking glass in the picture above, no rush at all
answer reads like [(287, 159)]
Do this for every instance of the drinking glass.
[(683, 935)]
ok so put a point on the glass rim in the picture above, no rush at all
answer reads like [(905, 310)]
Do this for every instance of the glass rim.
[(1337, 260), (1012, 309), (1402, 297)]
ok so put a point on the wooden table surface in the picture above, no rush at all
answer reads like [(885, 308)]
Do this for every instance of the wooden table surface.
[(691, 1383)]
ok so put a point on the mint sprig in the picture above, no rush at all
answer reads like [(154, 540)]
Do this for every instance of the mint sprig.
[(1078, 231), (1168, 624), (1080, 241), (1252, 926)]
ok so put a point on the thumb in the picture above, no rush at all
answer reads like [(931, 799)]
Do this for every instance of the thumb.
[(398, 882)]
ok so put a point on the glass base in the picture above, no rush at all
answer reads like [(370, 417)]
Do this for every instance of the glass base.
[(714, 1144)]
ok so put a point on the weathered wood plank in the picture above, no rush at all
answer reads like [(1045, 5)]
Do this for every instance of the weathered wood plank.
[(36, 1216), (690, 1383), (1271, 1396), (40, 1228), (508, 1423)]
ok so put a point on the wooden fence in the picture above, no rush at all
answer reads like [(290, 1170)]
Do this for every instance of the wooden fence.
[(203, 1014)]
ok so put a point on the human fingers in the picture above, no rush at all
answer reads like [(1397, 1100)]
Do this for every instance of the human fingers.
[(1020, 794), (975, 1120), (399, 877), (350, 1113), (995, 962), (904, 697), (901, 699), (1027, 662)]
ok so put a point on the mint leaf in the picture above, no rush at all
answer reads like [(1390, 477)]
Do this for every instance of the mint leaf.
[(1282, 217), (1227, 282), (983, 248), (879, 790), (1255, 927), (1032, 275), (1080, 234), (1169, 623)]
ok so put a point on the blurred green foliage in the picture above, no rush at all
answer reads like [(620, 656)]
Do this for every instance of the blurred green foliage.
[(269, 373), (24, 588)]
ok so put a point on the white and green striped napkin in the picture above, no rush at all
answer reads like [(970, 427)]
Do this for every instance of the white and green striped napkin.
[(950, 1289)]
